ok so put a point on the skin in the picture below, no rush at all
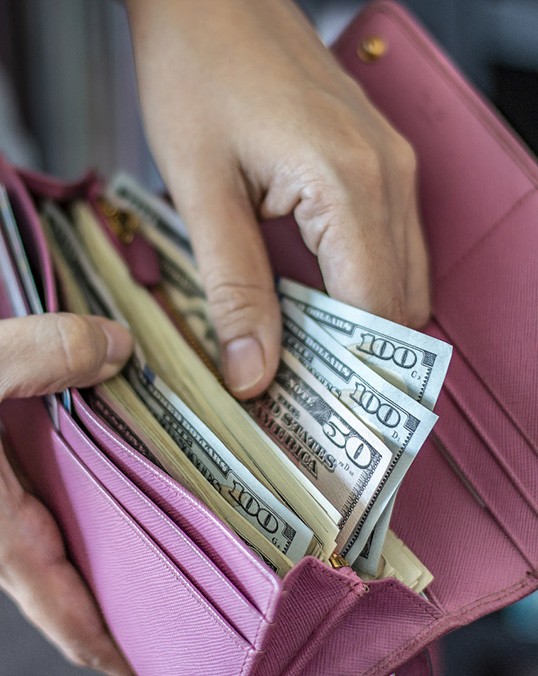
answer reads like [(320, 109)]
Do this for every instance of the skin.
[(34, 570), (249, 117)]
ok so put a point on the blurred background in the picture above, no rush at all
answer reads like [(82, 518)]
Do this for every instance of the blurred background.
[(68, 102)]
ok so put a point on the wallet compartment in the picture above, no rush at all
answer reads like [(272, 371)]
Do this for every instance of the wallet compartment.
[(228, 553), (136, 584), (185, 555)]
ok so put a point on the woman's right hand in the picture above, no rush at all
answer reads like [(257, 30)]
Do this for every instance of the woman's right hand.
[(39, 355)]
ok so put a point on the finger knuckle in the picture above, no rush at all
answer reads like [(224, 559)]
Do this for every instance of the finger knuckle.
[(78, 345), (356, 155), (361, 164), (236, 307)]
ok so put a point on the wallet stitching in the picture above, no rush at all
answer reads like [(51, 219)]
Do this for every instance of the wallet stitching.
[(165, 481), (165, 565), (404, 593), (396, 591), (311, 647), (310, 566), (380, 666), (473, 106), (171, 527)]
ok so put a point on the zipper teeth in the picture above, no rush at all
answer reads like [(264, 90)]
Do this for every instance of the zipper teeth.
[(185, 330)]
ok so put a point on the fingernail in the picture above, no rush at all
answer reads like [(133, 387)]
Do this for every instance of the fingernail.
[(119, 341), (244, 363)]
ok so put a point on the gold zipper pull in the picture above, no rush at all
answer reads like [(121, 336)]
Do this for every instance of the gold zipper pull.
[(337, 561), (123, 222)]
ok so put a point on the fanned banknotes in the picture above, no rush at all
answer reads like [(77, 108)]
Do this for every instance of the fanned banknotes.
[(312, 466), (415, 362)]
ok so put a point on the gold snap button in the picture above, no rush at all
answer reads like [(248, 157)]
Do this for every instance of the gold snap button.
[(372, 48)]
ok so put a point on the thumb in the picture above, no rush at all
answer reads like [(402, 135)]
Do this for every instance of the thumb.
[(237, 278), (47, 353)]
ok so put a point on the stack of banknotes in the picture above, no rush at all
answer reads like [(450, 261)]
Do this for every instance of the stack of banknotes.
[(311, 467)]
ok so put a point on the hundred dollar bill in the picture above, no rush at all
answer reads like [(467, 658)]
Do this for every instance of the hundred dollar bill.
[(62, 237), (402, 423), (181, 281), (160, 215), (415, 362), (399, 420), (116, 402), (331, 446), (295, 537), (176, 363), (219, 466), (162, 226)]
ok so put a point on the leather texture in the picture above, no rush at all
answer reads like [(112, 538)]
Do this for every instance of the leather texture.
[(180, 592)]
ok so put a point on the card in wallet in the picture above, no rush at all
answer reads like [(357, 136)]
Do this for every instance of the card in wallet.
[(180, 592)]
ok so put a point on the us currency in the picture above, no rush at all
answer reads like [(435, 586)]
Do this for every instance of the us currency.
[(61, 236), (219, 466), (152, 210), (401, 422), (174, 361), (116, 402), (162, 226), (181, 281), (338, 453), (415, 362), (398, 561), (255, 503)]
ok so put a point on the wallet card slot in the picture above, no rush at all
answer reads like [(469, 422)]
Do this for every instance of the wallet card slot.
[(507, 443), (495, 487), (159, 619), (232, 557), (487, 309), (32, 235), (193, 563), (457, 536)]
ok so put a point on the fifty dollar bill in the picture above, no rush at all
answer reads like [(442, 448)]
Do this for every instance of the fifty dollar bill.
[(399, 420)]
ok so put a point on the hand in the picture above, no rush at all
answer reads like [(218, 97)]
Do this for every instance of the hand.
[(250, 116), (40, 355)]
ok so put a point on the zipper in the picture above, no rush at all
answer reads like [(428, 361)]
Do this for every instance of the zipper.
[(123, 228), (125, 224)]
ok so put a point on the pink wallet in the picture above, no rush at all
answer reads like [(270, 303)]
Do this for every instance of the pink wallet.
[(183, 595)]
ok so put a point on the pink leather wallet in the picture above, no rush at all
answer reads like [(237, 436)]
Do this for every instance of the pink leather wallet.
[(180, 592)]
